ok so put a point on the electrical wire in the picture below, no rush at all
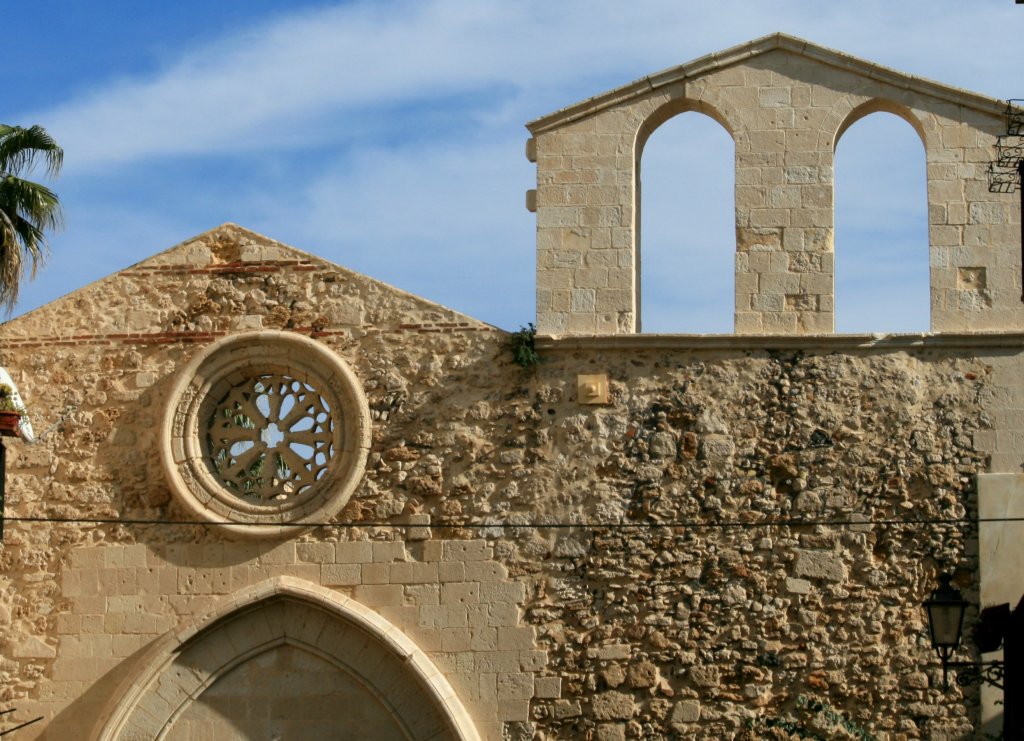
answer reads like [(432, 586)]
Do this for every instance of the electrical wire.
[(685, 524)]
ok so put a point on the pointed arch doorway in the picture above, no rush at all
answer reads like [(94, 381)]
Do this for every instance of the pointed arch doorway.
[(289, 660)]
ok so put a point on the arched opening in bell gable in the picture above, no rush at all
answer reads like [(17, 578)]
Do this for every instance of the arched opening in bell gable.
[(685, 213), (881, 222)]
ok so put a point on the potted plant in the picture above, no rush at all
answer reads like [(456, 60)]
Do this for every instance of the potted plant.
[(10, 412)]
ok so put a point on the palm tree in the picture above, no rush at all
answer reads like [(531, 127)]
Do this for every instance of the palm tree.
[(27, 210)]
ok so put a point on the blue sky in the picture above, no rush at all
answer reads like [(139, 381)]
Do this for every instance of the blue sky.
[(388, 136)]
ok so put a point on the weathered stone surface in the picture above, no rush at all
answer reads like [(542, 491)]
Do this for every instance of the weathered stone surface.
[(611, 610), (562, 709), (613, 676), (612, 705), (611, 651), (611, 732), (663, 445), (798, 586), (686, 711), (705, 676), (716, 448), (820, 565), (643, 674)]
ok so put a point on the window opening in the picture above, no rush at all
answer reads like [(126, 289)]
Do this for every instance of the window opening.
[(687, 254), (881, 228)]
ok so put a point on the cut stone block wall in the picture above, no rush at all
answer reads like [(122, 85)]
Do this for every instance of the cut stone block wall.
[(448, 598), (786, 104)]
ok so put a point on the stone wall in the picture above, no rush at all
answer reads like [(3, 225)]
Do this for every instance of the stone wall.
[(734, 542), (697, 629), (693, 559), (786, 103)]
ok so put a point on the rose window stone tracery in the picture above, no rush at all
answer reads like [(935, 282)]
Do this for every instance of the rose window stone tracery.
[(270, 438), (265, 432)]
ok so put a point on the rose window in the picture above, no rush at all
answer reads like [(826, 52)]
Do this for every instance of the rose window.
[(270, 438), (265, 432)]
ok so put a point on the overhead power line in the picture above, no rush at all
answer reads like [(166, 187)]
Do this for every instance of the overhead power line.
[(690, 524)]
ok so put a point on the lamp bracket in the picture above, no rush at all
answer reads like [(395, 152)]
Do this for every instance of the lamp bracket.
[(984, 672)]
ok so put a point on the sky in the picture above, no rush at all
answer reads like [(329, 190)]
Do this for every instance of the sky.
[(388, 136)]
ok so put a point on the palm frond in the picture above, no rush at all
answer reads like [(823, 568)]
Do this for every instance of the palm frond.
[(31, 201), (27, 210), (11, 263), (21, 149)]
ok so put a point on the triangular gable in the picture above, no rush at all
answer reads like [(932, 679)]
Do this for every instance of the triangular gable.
[(193, 287), (758, 47)]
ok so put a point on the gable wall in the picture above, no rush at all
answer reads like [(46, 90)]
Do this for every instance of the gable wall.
[(81, 600), (511, 531), (785, 112)]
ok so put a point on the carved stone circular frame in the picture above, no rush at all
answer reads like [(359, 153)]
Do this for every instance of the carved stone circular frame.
[(210, 378)]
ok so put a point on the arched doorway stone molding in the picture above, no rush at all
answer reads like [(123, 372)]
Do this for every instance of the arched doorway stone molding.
[(287, 612)]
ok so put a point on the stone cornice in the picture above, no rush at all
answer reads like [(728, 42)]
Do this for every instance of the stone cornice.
[(817, 342), (778, 41)]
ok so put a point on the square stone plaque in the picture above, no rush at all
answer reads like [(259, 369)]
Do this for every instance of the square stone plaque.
[(592, 389)]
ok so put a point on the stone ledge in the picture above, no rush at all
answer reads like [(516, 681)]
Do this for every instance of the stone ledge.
[(830, 342)]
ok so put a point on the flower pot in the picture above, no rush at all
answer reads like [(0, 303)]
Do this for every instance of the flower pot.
[(9, 422)]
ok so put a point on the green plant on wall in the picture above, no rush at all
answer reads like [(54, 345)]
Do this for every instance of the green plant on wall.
[(817, 716), (521, 343)]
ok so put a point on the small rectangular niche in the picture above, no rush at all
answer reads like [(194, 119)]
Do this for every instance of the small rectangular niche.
[(971, 279)]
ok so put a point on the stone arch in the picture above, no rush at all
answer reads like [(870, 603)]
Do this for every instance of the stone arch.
[(671, 109), (385, 668), (876, 105), (650, 123), (881, 246)]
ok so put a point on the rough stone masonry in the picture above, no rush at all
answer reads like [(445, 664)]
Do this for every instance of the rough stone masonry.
[(735, 543)]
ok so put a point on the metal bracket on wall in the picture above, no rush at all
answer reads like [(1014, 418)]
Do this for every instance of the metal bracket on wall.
[(968, 673), (1006, 172), (61, 419)]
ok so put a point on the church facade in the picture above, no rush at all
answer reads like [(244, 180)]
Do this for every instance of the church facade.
[(292, 501)]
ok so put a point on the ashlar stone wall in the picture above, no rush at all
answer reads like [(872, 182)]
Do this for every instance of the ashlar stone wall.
[(451, 598), (786, 104)]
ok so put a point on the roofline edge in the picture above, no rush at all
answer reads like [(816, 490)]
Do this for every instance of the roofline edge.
[(736, 54)]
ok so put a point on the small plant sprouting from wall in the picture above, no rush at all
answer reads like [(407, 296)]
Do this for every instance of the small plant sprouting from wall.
[(524, 354), (819, 715)]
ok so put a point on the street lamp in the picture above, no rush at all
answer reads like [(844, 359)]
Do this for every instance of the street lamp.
[(946, 610), (997, 625)]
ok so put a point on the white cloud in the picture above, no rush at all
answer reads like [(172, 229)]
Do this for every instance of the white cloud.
[(448, 224), (257, 88), (336, 97), (245, 92)]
